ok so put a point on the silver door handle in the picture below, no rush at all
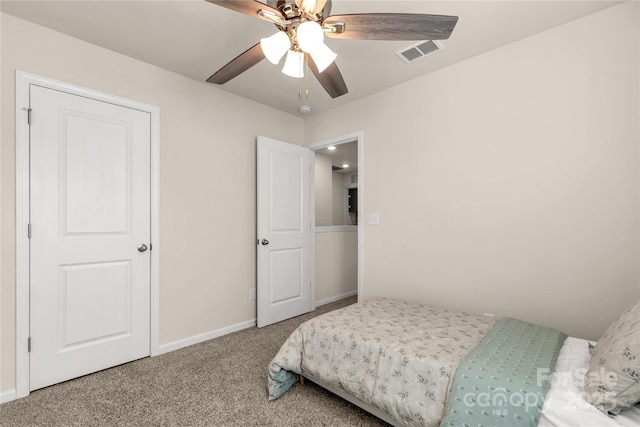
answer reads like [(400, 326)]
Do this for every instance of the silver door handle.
[(264, 242), (142, 247)]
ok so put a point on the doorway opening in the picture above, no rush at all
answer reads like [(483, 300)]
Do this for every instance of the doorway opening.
[(338, 236)]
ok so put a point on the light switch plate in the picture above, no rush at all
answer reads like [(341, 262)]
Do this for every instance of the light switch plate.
[(374, 218)]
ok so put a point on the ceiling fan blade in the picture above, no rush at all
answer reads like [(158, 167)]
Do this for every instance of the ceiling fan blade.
[(238, 65), (330, 79), (248, 7), (392, 26)]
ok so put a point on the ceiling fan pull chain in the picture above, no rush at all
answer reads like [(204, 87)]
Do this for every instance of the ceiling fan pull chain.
[(306, 76), (300, 88)]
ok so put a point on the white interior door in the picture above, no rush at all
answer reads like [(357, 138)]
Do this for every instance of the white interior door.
[(90, 214), (285, 253)]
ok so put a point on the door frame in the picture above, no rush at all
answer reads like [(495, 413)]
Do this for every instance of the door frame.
[(337, 140), (23, 81)]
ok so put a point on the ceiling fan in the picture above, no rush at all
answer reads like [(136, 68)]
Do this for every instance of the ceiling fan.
[(302, 25)]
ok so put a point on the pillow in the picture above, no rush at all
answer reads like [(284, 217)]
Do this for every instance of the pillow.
[(612, 382)]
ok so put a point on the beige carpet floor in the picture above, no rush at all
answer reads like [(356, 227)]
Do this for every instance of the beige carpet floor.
[(220, 382)]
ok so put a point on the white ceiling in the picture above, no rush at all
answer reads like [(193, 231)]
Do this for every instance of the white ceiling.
[(195, 38)]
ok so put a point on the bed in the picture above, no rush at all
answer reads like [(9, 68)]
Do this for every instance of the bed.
[(416, 365)]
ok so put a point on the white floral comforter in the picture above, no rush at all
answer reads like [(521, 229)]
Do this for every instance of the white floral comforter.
[(394, 355)]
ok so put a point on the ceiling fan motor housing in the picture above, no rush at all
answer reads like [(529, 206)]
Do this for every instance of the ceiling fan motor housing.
[(290, 10)]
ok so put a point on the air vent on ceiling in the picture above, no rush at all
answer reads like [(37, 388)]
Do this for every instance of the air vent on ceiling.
[(336, 168), (420, 50)]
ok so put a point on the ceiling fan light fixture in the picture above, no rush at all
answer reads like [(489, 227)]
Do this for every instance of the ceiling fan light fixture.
[(310, 36), (294, 64), (275, 46), (323, 57), (306, 5)]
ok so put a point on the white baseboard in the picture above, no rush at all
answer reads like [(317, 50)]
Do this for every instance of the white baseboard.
[(336, 298), (7, 396), (175, 345)]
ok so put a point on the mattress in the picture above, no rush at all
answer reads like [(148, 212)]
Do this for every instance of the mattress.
[(398, 360), (393, 355)]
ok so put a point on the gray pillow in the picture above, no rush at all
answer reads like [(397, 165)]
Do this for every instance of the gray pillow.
[(612, 382)]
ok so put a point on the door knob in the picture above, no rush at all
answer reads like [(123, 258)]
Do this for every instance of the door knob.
[(264, 242), (142, 247)]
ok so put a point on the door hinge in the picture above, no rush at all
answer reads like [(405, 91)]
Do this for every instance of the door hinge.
[(28, 231), (29, 344), (29, 116)]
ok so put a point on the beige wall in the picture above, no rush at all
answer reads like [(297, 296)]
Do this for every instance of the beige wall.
[(207, 231), (517, 190), (323, 188), (336, 264), (337, 208), (329, 187)]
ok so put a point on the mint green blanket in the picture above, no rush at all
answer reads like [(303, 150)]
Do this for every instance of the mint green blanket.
[(504, 380)]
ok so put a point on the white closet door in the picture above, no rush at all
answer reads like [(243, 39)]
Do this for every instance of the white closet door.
[(90, 225)]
